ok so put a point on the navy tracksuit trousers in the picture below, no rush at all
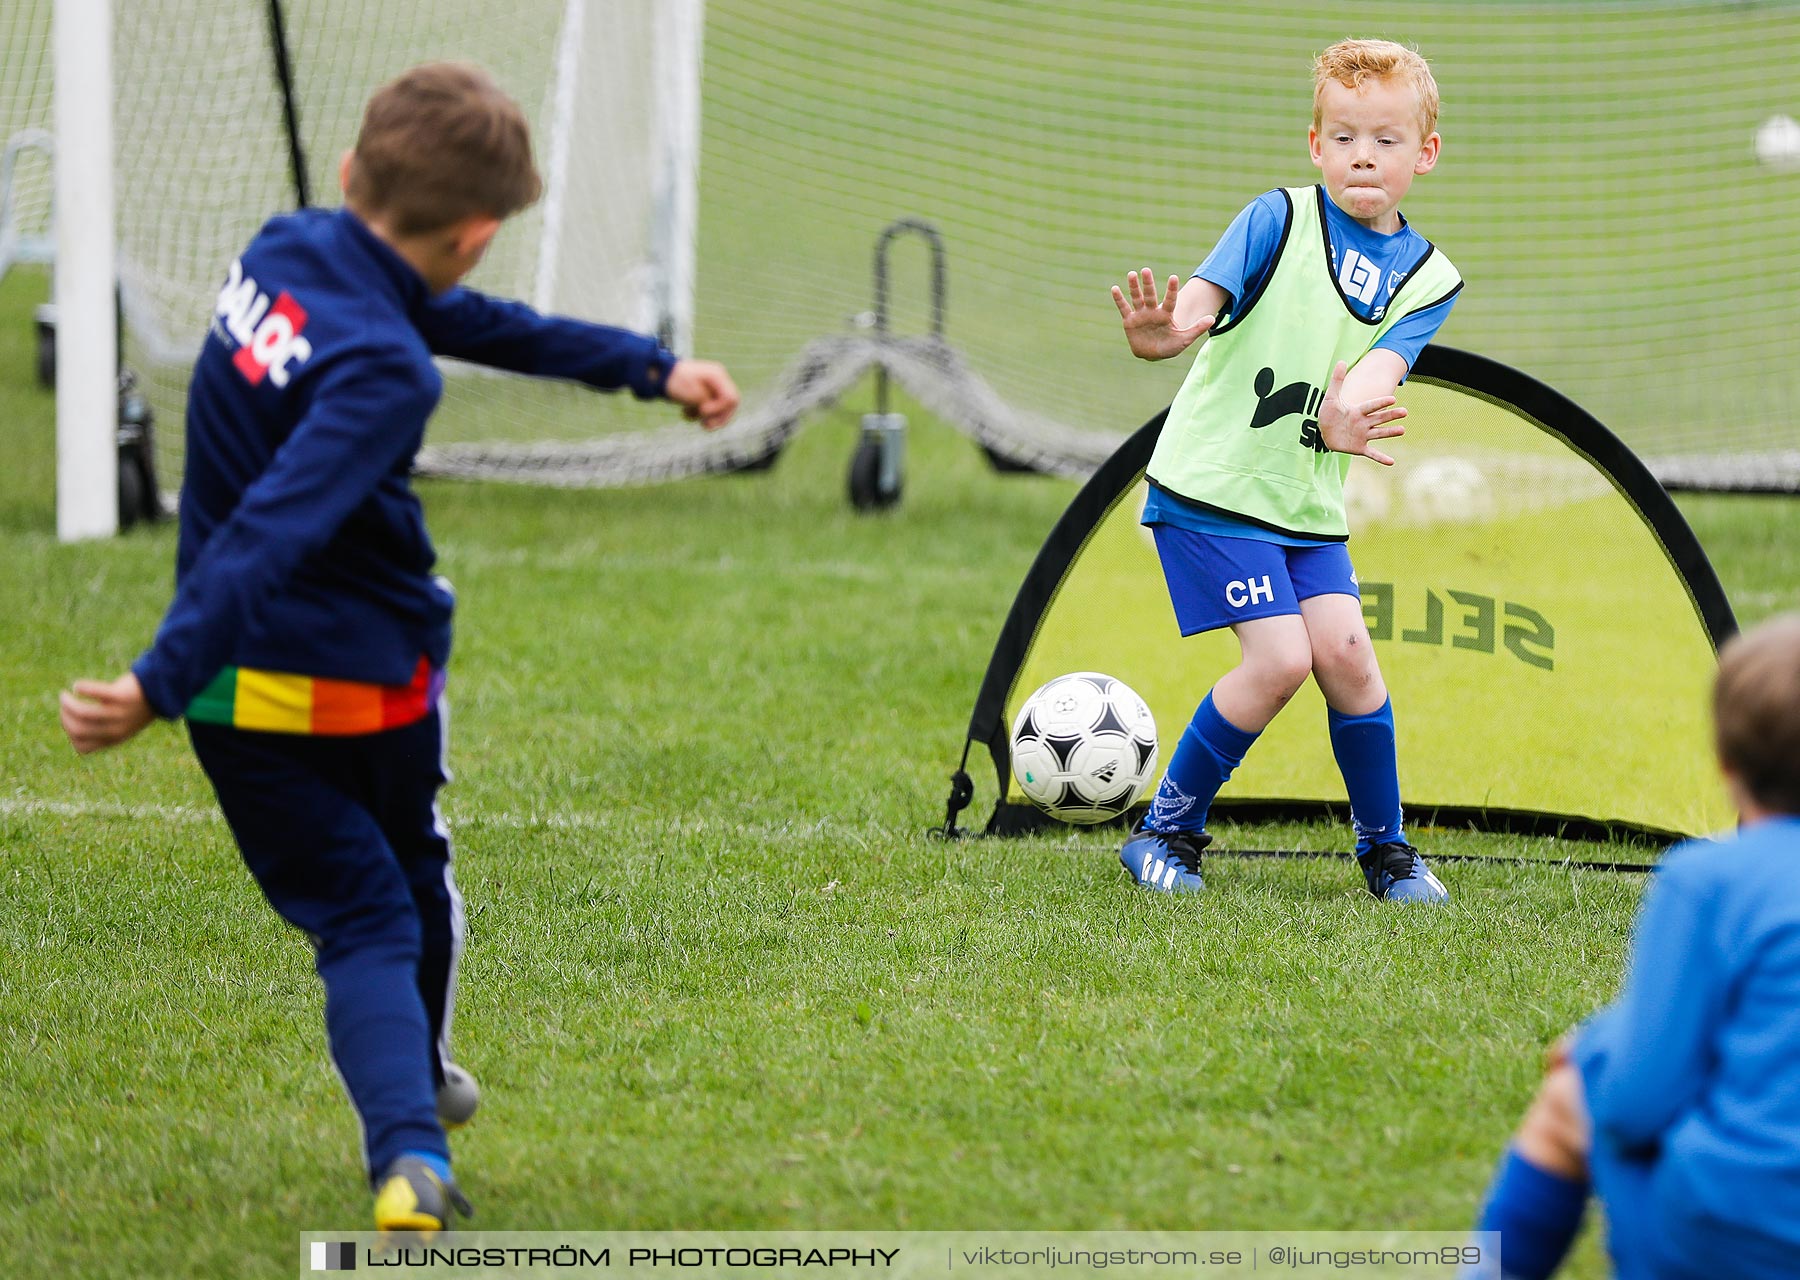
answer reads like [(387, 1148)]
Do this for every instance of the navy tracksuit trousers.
[(344, 837)]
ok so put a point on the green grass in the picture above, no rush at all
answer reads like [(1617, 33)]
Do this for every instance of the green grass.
[(718, 975)]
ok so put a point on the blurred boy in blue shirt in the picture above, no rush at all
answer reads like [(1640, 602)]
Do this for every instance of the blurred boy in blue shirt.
[(1678, 1105)]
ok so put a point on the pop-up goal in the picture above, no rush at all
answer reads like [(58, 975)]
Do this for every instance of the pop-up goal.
[(1547, 623)]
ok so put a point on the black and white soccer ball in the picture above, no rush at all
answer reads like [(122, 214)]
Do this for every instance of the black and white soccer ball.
[(1084, 747)]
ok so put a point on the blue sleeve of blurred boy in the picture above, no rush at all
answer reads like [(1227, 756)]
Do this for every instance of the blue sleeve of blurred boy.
[(469, 325), (1692, 1076), (1644, 1058)]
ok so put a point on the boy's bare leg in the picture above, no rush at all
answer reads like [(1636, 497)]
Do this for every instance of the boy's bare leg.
[(1343, 660), (1277, 658), (1555, 1134)]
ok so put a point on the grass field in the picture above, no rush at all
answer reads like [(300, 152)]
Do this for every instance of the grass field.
[(717, 974)]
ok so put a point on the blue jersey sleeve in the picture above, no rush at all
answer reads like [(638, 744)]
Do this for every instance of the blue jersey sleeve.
[(1645, 1058), (1245, 255), (1410, 334), (365, 416), (467, 325)]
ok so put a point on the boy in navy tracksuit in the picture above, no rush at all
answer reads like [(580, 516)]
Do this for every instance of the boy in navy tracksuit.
[(1678, 1105), (307, 641)]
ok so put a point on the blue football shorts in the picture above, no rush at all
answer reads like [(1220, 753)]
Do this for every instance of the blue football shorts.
[(1216, 581)]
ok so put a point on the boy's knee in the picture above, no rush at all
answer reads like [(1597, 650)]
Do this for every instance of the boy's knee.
[(1555, 1134), (1345, 661), (1280, 673)]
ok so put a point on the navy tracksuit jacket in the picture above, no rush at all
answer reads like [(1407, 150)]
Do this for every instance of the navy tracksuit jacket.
[(303, 551)]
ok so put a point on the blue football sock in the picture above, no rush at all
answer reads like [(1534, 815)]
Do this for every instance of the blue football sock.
[(436, 1163), (1210, 748), (1537, 1214), (1364, 747)]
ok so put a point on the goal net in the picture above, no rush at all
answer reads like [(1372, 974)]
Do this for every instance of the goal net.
[(1623, 245), (203, 156), (1600, 189), (25, 141)]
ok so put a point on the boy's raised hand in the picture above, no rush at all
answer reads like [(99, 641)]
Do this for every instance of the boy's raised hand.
[(105, 713), (1150, 325), (1350, 428), (704, 390)]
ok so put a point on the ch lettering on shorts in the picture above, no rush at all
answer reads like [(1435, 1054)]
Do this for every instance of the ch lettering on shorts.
[(1240, 595), (267, 333)]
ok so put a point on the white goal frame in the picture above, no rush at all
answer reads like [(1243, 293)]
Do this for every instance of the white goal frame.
[(87, 335)]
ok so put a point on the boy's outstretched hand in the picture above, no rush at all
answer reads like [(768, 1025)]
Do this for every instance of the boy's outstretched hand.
[(1350, 428), (104, 713), (1150, 326), (704, 391)]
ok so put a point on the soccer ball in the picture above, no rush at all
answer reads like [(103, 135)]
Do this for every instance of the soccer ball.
[(1448, 491), (1368, 496), (1778, 142), (1083, 747), (457, 1097)]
